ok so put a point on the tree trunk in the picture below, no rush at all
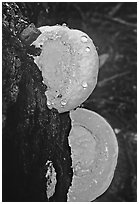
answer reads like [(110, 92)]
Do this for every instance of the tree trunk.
[(32, 134)]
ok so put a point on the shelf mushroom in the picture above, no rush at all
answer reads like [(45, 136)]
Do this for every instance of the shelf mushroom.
[(94, 150), (69, 64)]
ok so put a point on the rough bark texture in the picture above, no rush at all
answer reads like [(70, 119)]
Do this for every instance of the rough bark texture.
[(32, 134)]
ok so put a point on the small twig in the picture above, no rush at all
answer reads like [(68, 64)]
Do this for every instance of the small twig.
[(103, 82), (133, 16), (118, 20), (115, 9), (83, 16)]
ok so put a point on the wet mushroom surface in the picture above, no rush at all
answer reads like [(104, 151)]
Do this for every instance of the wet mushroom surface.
[(69, 64), (94, 150)]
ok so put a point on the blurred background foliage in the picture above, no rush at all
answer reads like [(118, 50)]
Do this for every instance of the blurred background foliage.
[(112, 26)]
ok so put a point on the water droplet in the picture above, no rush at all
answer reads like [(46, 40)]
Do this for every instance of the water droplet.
[(47, 10), (84, 84), (64, 24), (87, 49), (84, 39), (63, 103), (48, 103), (95, 181), (116, 130)]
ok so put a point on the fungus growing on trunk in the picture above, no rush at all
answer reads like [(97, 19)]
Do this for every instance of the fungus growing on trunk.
[(94, 150), (69, 65)]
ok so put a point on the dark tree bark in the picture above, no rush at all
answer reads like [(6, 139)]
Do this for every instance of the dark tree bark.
[(32, 134)]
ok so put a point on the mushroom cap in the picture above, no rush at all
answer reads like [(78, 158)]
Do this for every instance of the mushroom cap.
[(94, 178), (73, 54)]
